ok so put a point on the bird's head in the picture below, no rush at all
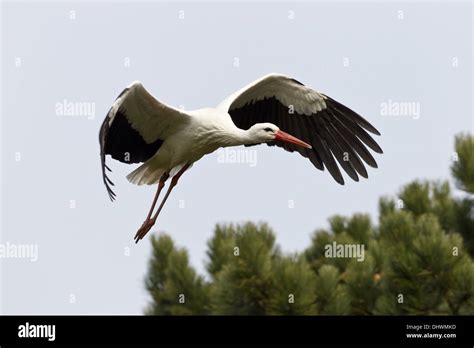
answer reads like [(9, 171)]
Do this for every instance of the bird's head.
[(266, 132)]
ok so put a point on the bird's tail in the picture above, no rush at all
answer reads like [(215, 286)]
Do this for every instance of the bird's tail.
[(145, 175)]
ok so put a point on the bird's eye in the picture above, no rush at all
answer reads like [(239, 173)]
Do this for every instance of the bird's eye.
[(268, 129)]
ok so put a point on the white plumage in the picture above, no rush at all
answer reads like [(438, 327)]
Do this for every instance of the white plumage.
[(286, 90), (205, 130)]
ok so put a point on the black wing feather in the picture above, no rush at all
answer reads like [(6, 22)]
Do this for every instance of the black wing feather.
[(335, 133), (123, 143)]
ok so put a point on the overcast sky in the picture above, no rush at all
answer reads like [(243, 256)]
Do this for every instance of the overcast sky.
[(373, 57)]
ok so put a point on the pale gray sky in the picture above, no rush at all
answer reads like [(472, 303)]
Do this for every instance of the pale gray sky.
[(367, 55)]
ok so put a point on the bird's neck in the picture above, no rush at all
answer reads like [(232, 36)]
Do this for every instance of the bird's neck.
[(229, 137), (240, 137)]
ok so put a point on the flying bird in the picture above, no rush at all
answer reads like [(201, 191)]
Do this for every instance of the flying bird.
[(275, 109)]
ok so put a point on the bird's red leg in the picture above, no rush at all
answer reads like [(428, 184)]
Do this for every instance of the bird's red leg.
[(161, 184), (147, 224), (174, 180)]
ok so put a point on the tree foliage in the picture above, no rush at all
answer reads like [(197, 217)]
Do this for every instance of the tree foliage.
[(416, 259), (174, 286), (463, 167), (243, 284)]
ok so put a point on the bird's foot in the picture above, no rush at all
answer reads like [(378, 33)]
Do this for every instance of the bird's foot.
[(143, 230)]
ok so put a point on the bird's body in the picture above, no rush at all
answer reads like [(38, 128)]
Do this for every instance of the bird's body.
[(206, 130), (141, 129)]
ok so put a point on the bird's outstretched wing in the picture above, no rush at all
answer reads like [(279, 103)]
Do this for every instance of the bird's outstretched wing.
[(135, 127), (333, 130)]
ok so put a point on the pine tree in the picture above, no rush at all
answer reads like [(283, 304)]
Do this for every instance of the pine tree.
[(460, 296), (357, 229), (220, 248), (463, 165), (243, 283), (422, 258), (293, 289), (418, 259), (331, 295), (464, 219), (362, 281), (463, 172), (172, 283)]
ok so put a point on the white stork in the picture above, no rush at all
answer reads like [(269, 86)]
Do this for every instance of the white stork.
[(141, 129)]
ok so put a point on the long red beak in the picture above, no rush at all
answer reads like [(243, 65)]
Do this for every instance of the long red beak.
[(280, 135)]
